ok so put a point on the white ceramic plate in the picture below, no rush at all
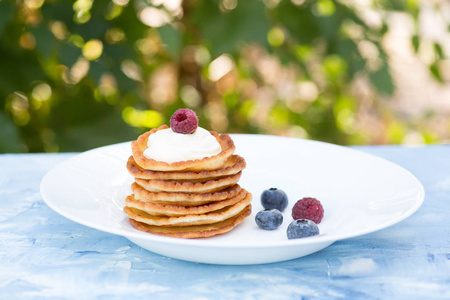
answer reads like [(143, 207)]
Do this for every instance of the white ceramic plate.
[(360, 194)]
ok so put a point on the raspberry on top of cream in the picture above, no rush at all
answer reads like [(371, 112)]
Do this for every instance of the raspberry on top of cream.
[(168, 146), (184, 121)]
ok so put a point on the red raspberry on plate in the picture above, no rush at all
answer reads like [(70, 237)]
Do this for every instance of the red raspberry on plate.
[(308, 208), (184, 121)]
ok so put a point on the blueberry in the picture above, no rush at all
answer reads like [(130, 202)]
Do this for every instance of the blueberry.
[(274, 198), (269, 219), (302, 228)]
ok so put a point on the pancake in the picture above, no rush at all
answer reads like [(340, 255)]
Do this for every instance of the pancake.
[(183, 199), (209, 186), (207, 163), (233, 165), (186, 199), (174, 210), (195, 231), (189, 220)]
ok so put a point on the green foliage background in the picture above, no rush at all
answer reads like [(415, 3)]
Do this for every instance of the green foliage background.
[(78, 75)]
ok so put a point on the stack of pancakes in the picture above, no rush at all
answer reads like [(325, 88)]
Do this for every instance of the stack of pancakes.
[(187, 199)]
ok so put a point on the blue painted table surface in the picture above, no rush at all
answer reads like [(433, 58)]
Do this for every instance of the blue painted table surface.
[(46, 256)]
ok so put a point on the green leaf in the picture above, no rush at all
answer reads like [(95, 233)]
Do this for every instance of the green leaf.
[(96, 70), (382, 80), (9, 136), (26, 69), (6, 13), (172, 40), (348, 50), (59, 10), (392, 5), (231, 100), (384, 29), (69, 54), (334, 66), (227, 32), (94, 29), (415, 40), (44, 41), (325, 7), (439, 51), (102, 130), (434, 69), (298, 20)]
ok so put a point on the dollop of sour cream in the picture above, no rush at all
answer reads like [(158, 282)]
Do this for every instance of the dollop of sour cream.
[(168, 146)]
